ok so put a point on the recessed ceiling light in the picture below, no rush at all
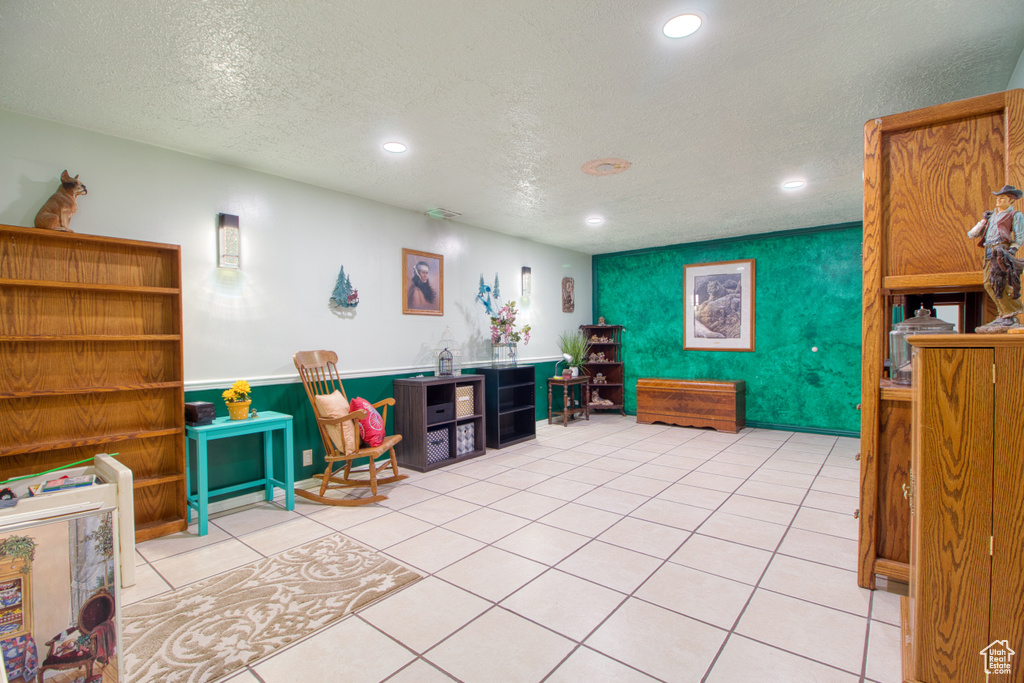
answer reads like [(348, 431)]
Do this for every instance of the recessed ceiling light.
[(394, 147), (793, 184), (595, 220), (682, 26)]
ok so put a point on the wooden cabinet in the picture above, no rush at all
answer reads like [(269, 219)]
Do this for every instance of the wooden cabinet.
[(15, 597), (928, 176), (92, 362), (720, 405), (606, 339), (509, 402), (441, 420), (967, 501)]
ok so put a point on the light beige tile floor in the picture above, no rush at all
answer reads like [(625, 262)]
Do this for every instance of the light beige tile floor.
[(602, 551)]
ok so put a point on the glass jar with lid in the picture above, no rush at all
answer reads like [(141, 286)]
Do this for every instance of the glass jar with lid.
[(900, 350)]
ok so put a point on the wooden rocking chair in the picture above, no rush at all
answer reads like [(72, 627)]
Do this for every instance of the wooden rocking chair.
[(319, 375)]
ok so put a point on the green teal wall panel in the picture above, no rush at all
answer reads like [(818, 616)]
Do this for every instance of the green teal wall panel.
[(807, 293), (235, 460)]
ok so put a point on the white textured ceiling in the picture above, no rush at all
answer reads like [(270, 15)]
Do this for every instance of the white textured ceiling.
[(502, 102)]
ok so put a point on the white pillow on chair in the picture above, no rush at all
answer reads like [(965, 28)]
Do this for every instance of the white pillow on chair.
[(342, 436)]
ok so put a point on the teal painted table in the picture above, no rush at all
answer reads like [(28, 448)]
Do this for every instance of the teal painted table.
[(223, 428)]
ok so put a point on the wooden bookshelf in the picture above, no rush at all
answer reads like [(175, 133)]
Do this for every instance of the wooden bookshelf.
[(92, 362)]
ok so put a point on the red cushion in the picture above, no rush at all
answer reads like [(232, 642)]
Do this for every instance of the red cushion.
[(371, 427)]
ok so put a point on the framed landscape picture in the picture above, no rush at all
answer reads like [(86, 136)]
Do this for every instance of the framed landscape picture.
[(422, 283), (718, 306)]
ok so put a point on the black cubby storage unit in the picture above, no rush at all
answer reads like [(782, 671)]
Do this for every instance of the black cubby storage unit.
[(510, 404), (427, 417)]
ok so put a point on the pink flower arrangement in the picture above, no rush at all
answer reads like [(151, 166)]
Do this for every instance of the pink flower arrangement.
[(503, 326)]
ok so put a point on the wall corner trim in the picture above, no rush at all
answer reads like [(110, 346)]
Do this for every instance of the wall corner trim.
[(728, 240)]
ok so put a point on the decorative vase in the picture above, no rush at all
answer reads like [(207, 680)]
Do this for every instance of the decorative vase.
[(575, 370), (238, 410), (503, 354)]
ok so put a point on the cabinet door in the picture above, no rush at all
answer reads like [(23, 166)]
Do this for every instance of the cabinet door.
[(950, 563), (1008, 500)]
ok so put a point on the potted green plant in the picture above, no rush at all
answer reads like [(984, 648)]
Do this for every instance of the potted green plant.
[(23, 547), (574, 347)]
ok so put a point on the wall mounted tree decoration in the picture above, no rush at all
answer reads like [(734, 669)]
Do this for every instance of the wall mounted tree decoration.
[(489, 297), (344, 295)]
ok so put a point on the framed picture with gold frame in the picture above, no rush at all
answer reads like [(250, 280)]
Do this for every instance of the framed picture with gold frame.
[(422, 283), (718, 306)]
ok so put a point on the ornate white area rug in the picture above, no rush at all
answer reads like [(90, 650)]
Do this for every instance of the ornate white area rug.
[(206, 630)]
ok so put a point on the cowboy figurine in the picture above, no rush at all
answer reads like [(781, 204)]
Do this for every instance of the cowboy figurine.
[(1001, 233)]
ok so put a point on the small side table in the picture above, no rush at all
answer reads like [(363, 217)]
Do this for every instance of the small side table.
[(223, 428), (583, 382)]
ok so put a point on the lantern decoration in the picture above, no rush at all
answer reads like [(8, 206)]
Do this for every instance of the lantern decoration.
[(445, 361), (448, 354)]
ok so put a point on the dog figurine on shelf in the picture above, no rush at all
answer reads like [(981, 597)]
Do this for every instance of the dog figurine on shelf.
[(58, 209)]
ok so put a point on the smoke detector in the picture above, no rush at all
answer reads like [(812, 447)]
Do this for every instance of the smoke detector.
[(605, 166), (442, 213)]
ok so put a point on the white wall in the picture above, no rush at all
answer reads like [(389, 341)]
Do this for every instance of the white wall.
[(1017, 78), (295, 237)]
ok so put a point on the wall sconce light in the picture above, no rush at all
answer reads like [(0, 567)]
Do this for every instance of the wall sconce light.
[(527, 285), (229, 243)]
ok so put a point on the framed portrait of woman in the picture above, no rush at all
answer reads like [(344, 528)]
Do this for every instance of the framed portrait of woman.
[(422, 283)]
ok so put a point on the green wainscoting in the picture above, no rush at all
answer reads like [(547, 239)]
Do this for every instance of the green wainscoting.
[(807, 294), (239, 459)]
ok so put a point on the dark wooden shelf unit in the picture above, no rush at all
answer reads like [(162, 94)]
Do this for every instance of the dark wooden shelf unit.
[(613, 368), (510, 404), (92, 362), (422, 415)]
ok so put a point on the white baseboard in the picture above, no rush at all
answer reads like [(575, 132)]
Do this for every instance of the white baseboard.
[(255, 497)]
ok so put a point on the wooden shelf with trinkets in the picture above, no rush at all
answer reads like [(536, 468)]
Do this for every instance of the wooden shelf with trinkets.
[(606, 340)]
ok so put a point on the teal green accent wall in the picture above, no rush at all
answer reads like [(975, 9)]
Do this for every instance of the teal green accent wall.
[(233, 461), (540, 377), (807, 293)]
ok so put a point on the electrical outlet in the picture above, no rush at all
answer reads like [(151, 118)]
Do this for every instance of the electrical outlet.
[(307, 457)]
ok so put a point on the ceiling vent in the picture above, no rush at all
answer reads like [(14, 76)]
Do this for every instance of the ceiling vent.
[(443, 213), (601, 167)]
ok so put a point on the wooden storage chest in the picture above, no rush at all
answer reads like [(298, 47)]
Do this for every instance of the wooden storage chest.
[(719, 404)]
